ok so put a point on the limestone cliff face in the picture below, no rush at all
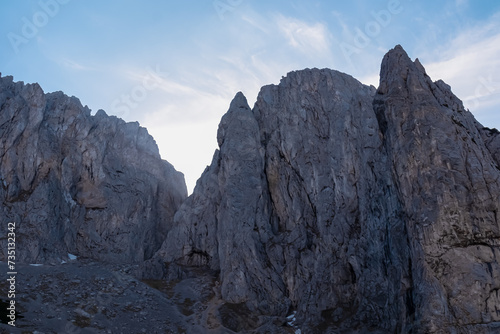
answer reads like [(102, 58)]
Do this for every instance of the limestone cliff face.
[(448, 182), (94, 186), (361, 209)]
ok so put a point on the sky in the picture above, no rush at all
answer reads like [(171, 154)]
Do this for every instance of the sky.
[(174, 66)]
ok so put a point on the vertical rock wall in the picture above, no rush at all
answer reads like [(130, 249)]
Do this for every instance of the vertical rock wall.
[(361, 209), (94, 186)]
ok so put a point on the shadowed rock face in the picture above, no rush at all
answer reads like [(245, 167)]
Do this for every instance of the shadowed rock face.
[(94, 186), (448, 183), (361, 209)]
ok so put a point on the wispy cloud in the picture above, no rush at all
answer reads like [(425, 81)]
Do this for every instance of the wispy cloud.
[(311, 39), (470, 63), (256, 22), (475, 51), (461, 4), (74, 65)]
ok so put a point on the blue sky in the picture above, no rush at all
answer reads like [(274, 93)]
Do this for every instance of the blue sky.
[(174, 66)]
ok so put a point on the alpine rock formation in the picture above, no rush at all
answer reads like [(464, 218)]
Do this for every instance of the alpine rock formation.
[(362, 210), (93, 186), (329, 207)]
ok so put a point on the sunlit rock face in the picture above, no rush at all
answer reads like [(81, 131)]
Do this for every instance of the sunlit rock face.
[(93, 186), (362, 209)]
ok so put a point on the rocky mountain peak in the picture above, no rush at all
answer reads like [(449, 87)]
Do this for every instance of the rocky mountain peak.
[(239, 102), (93, 186), (398, 71), (237, 120), (354, 208)]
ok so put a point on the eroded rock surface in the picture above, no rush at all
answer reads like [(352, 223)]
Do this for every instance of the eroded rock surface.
[(93, 186), (360, 209), (449, 187)]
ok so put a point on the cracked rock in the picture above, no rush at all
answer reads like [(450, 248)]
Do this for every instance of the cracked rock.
[(350, 207)]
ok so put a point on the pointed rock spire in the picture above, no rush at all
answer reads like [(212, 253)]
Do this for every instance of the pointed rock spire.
[(236, 115), (398, 71), (239, 101)]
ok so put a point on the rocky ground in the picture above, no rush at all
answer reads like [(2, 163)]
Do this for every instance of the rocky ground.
[(82, 296)]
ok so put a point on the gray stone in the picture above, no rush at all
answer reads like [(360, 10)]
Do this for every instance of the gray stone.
[(346, 208), (491, 138), (449, 187), (93, 186), (361, 210)]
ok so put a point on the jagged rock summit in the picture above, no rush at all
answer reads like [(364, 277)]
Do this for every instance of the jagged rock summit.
[(356, 209), (93, 186)]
